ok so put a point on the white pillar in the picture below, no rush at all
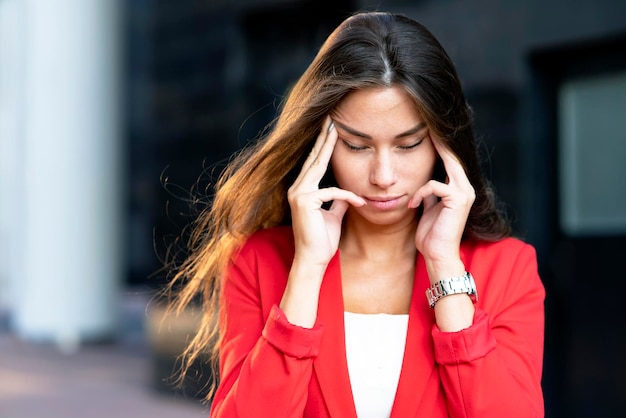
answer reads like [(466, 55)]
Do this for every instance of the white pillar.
[(72, 170), (11, 47)]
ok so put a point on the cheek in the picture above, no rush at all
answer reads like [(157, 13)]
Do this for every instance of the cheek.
[(420, 170), (343, 170), (428, 162)]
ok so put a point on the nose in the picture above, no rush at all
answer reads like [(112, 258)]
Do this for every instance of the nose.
[(383, 170)]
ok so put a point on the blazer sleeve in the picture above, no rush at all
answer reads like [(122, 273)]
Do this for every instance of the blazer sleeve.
[(265, 361), (494, 367)]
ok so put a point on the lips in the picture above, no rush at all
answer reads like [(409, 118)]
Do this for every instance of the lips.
[(384, 202)]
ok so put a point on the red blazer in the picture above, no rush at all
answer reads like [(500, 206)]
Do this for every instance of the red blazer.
[(271, 368)]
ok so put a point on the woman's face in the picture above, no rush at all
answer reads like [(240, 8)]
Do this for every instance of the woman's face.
[(384, 152)]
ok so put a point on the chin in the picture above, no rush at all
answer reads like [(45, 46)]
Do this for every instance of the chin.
[(384, 218)]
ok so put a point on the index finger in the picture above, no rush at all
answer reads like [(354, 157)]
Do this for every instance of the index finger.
[(318, 159), (454, 168)]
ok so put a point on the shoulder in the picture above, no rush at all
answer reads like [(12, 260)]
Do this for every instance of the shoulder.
[(507, 260), (278, 236), (508, 247), (503, 269), (259, 270), (269, 244)]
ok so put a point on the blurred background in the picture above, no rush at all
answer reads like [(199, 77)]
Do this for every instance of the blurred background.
[(115, 114)]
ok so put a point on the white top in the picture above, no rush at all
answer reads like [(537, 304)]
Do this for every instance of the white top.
[(375, 349)]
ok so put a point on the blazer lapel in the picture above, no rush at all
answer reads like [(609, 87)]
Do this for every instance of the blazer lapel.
[(331, 366), (419, 359)]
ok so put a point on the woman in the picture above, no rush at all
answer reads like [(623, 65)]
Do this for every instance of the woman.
[(324, 237)]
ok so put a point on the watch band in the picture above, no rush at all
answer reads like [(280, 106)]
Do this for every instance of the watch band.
[(451, 286)]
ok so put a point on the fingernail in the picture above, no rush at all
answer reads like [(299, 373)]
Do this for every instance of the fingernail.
[(331, 126)]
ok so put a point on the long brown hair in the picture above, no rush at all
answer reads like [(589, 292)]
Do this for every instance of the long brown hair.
[(369, 49)]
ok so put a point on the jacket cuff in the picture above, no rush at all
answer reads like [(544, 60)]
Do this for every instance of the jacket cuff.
[(466, 345), (292, 340)]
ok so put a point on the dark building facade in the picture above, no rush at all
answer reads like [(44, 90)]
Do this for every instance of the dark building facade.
[(205, 77)]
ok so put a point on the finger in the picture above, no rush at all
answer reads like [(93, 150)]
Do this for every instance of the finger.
[(319, 143), (430, 201), (431, 188), (339, 208), (319, 156), (328, 146), (312, 174), (336, 194), (451, 163)]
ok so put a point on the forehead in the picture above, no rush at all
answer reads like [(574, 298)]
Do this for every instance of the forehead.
[(378, 107)]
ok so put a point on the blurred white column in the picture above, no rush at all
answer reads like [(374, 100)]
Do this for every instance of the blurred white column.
[(11, 53), (67, 290)]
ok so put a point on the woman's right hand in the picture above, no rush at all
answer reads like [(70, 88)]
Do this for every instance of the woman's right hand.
[(317, 230)]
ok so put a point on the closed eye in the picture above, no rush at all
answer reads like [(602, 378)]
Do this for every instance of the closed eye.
[(352, 147), (411, 146)]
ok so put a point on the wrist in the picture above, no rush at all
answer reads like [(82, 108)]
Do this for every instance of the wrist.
[(300, 298), (456, 285), (441, 269), (303, 270)]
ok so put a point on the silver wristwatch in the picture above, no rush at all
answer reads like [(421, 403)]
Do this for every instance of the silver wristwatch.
[(451, 286)]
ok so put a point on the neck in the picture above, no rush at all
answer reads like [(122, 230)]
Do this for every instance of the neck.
[(378, 242)]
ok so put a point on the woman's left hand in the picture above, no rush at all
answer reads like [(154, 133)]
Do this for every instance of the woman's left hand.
[(446, 207)]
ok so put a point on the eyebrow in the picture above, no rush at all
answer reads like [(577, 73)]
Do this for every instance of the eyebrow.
[(406, 133)]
